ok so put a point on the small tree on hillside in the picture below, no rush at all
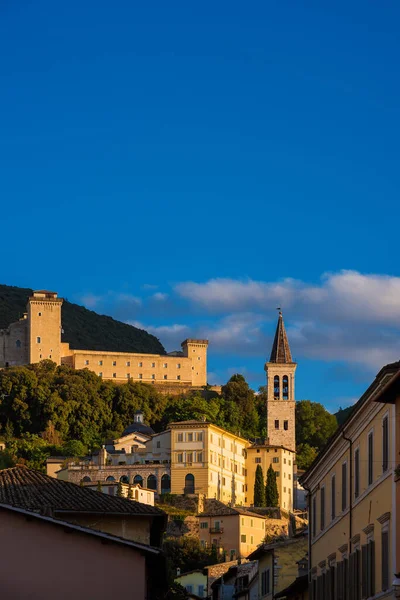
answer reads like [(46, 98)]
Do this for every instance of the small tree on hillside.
[(259, 490), (120, 493), (271, 489)]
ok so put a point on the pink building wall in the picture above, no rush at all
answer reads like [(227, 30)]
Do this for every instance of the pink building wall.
[(43, 561)]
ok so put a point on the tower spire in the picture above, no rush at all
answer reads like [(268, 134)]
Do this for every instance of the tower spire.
[(281, 350)]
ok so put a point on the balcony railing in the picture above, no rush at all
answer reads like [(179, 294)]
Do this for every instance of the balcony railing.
[(216, 530)]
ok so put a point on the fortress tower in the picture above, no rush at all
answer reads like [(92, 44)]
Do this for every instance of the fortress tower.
[(280, 372), (44, 334)]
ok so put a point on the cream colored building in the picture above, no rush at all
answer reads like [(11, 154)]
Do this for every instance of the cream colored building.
[(235, 531), (194, 582), (37, 336), (352, 500), (208, 460), (282, 461)]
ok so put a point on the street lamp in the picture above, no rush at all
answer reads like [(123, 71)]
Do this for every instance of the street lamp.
[(396, 585)]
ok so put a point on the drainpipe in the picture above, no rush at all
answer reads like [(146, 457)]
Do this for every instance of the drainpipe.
[(350, 490), (310, 518)]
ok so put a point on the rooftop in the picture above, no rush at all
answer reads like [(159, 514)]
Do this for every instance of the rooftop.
[(217, 508), (35, 491), (281, 349)]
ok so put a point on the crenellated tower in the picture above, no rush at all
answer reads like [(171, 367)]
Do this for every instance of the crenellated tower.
[(280, 391)]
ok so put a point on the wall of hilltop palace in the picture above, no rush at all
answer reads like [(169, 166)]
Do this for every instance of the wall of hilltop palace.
[(14, 344)]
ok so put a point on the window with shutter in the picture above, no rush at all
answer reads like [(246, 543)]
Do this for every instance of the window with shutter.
[(357, 568), (314, 516), (385, 560), (333, 497), (371, 568), (345, 579), (370, 458), (344, 486), (385, 444), (357, 473), (332, 576), (339, 581), (364, 578), (322, 497)]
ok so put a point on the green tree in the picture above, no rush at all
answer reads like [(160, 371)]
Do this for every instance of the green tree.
[(259, 489), (271, 488), (120, 492), (306, 454), (314, 424), (237, 391)]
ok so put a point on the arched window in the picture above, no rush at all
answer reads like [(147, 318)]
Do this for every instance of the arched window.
[(152, 482), (18, 343), (110, 478), (86, 479), (285, 387), (138, 479), (276, 387), (124, 479), (189, 484), (165, 484)]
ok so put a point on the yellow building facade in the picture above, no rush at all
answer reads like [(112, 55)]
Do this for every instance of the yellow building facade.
[(282, 460), (352, 502), (208, 460), (37, 336), (235, 531)]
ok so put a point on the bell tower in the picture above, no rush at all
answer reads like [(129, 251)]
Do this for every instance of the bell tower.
[(280, 370)]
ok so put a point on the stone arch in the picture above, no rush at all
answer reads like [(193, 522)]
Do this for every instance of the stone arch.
[(285, 387), (110, 478), (189, 484), (277, 387), (152, 482), (165, 484), (86, 479), (124, 479), (138, 479)]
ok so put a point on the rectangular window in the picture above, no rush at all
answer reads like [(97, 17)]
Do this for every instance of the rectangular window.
[(140, 364), (243, 538), (114, 375), (128, 363), (344, 486), (140, 376), (100, 363), (385, 560), (370, 458), (385, 444), (275, 459), (190, 437), (128, 375), (223, 481), (178, 366), (204, 525), (199, 457), (276, 424), (357, 473), (286, 425), (368, 569), (180, 458), (200, 590), (189, 589), (257, 459), (158, 444), (189, 457), (322, 498), (179, 437), (178, 377), (100, 374), (153, 376), (38, 340), (165, 365), (200, 436), (277, 473), (114, 363), (165, 377), (333, 497), (153, 365), (314, 515), (86, 362)]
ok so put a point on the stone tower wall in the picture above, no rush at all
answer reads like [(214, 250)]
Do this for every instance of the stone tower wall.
[(44, 316)]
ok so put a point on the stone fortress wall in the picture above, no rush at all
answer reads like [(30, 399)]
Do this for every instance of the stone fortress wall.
[(37, 336)]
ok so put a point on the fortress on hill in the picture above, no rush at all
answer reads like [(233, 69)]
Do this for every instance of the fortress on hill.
[(37, 336)]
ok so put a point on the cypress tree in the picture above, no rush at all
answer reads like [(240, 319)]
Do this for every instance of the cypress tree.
[(271, 488), (120, 493), (259, 490)]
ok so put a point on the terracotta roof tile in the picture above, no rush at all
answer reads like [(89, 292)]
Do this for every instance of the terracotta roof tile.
[(35, 491)]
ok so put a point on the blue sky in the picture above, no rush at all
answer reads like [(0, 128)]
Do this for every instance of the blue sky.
[(190, 166)]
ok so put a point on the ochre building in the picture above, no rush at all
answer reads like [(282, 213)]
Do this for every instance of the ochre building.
[(37, 336), (352, 500)]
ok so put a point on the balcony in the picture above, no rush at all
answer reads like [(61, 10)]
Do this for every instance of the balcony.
[(216, 530)]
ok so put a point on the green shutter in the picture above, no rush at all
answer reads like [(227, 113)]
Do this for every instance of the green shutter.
[(385, 560), (364, 578)]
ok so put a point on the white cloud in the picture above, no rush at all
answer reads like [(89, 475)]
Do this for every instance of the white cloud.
[(170, 336), (159, 296)]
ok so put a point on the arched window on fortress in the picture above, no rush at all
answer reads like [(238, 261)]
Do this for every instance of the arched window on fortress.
[(276, 387), (285, 387)]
